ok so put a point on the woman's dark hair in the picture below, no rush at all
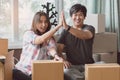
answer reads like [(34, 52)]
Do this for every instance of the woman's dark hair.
[(36, 20), (78, 7)]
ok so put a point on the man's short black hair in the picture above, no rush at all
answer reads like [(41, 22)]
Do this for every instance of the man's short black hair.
[(78, 7)]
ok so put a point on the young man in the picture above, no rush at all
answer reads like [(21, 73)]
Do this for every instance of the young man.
[(77, 41)]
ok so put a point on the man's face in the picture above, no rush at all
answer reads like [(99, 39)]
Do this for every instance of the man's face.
[(78, 18)]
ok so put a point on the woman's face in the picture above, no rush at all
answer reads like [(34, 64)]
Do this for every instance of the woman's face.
[(78, 18), (43, 24)]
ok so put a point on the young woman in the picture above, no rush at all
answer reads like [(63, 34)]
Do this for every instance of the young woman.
[(38, 44)]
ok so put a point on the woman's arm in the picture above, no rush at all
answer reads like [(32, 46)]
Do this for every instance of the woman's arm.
[(46, 36)]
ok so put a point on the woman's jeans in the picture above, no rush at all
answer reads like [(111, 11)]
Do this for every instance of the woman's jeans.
[(18, 75)]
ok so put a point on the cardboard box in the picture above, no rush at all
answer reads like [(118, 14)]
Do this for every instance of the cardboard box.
[(105, 44), (3, 46), (102, 71), (47, 70), (1, 71), (7, 66)]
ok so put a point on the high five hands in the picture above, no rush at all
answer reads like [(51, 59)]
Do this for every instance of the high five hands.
[(62, 21)]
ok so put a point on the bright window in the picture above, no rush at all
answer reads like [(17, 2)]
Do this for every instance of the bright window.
[(27, 9), (16, 17), (5, 19)]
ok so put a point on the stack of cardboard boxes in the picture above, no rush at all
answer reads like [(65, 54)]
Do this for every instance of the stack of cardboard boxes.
[(6, 61), (105, 44)]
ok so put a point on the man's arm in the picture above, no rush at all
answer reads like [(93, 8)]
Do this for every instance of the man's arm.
[(82, 34), (60, 49)]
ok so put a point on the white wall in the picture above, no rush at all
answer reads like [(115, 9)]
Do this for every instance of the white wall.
[(96, 20)]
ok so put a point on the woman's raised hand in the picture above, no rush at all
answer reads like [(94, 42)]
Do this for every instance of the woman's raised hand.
[(60, 20)]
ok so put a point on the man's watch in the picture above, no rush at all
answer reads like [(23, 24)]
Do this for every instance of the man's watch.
[(68, 28)]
